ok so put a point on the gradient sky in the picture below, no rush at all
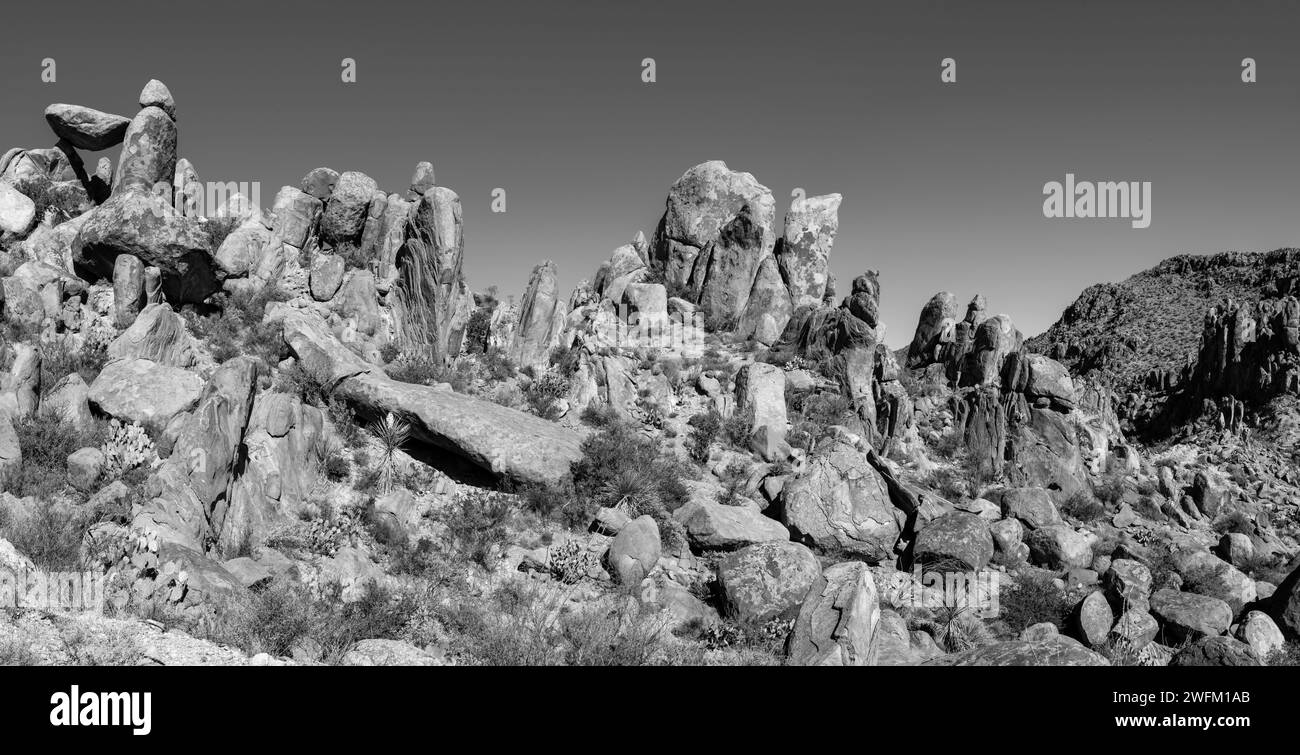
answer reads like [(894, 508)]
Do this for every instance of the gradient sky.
[(942, 184)]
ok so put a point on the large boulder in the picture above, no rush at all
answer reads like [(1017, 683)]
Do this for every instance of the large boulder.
[(148, 152), (634, 551), (760, 402), (17, 211), (932, 328), (295, 215), (1060, 546), (804, 254), (959, 540), (143, 391), (837, 623), (1261, 634), (714, 526), (1032, 506), (509, 443), (345, 212), (541, 318), (766, 580), (159, 335), (839, 502), (1185, 615), (86, 128), (428, 293), (706, 199), (144, 225)]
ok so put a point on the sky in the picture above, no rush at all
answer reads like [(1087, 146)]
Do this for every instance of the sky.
[(942, 183)]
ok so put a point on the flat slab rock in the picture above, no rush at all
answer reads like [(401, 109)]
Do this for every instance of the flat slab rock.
[(505, 441), (1058, 651)]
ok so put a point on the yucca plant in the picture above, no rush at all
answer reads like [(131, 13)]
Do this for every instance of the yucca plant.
[(392, 432)]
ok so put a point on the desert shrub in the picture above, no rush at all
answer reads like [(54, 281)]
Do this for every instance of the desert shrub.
[(65, 199), (1083, 506), (476, 525), (598, 415), (566, 359), (734, 478), (955, 629), (521, 625), (1110, 489), (736, 429), (345, 421), (355, 257), (705, 428), (237, 329), (421, 370), (1234, 521), (620, 466), (544, 393), (478, 330), (286, 616), (811, 414), (46, 443), (948, 445), (297, 381), (219, 228), (337, 466), (496, 365), (557, 502), (58, 361), (1032, 600), (949, 482), (1287, 655)]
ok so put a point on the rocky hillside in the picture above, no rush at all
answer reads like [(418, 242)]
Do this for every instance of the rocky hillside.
[(1145, 330), (297, 434)]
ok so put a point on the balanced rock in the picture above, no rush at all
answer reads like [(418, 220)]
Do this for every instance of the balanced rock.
[(86, 128)]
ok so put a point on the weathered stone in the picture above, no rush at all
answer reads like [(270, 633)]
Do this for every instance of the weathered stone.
[(326, 276), (1216, 651), (957, 539), (148, 153), (634, 551), (128, 289), (156, 94), (1185, 615), (839, 502), (804, 255), (1094, 619), (84, 468), (541, 318), (17, 211), (296, 214), (159, 335), (1059, 651), (1059, 546), (138, 390), (1032, 506), (837, 623), (1261, 634), (86, 128), (345, 211), (760, 399), (715, 526), (421, 180), (766, 580), (320, 182)]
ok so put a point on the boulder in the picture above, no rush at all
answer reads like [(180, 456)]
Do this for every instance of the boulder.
[(66, 401), (156, 94), (86, 128), (326, 276), (715, 526), (159, 335), (837, 623), (145, 225), (1128, 582), (766, 580), (295, 215), (421, 180), (148, 153), (634, 551), (319, 182), (1059, 546), (85, 465), (760, 401), (377, 652), (1093, 618), (1216, 651), (932, 328), (139, 390), (128, 289), (17, 211), (804, 254), (541, 319), (958, 540), (1261, 634), (839, 502), (1032, 506), (345, 211), (1185, 615)]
